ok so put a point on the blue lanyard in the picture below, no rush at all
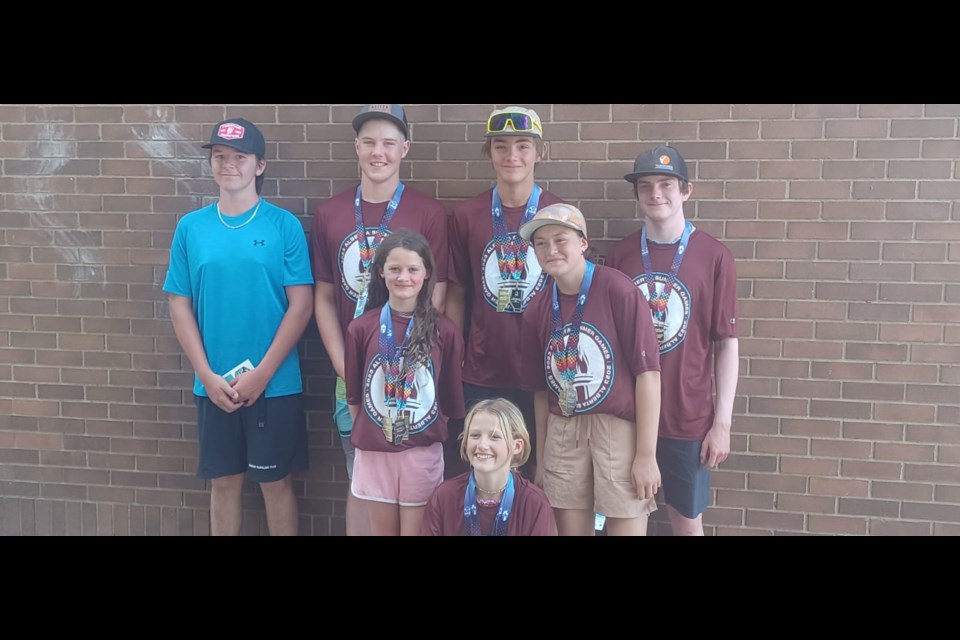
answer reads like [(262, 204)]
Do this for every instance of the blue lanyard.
[(658, 301), (511, 248), (470, 509), (397, 387), (566, 357), (367, 249)]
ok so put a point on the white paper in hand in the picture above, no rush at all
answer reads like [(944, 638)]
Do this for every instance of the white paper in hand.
[(243, 367)]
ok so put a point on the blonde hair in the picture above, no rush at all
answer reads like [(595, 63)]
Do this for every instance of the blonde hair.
[(511, 425)]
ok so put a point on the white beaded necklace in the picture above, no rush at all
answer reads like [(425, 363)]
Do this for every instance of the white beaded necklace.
[(230, 226)]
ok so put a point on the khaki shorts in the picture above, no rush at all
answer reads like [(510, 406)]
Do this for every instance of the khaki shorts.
[(587, 464)]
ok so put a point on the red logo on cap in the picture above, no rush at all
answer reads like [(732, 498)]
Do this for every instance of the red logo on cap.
[(380, 107), (664, 159), (230, 131)]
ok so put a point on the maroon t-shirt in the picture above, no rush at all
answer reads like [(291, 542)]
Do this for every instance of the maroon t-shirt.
[(437, 391), (531, 514), (493, 344), (702, 310), (336, 253), (617, 343)]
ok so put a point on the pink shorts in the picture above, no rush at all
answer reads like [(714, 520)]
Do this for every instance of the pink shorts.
[(407, 478)]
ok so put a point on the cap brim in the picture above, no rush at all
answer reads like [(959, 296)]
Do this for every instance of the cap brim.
[(382, 115), (225, 143), (632, 177), (526, 231)]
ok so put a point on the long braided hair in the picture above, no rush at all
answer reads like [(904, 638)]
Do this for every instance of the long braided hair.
[(425, 328)]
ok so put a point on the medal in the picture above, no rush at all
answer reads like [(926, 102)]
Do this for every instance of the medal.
[(388, 427), (516, 298), (568, 401), (503, 298), (661, 329), (362, 296), (400, 431)]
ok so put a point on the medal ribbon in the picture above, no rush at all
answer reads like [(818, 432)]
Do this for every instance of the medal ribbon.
[(565, 357), (658, 301), (369, 248), (511, 248), (470, 509), (396, 388)]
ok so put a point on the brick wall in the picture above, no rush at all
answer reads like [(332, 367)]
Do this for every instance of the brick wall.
[(843, 217)]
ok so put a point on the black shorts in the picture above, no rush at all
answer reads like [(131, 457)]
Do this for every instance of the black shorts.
[(686, 483), (267, 441)]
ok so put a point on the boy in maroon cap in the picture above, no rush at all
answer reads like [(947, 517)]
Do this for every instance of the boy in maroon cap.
[(690, 283)]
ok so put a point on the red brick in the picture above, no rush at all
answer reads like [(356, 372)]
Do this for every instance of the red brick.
[(810, 388), (776, 482), (898, 528), (812, 349), (837, 524), (940, 149), (930, 433), (850, 210), (931, 511), (809, 466), (838, 487), (856, 129), (791, 129), (775, 520)]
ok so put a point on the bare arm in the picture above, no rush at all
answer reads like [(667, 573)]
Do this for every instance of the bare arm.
[(354, 410), (440, 296), (188, 334), (541, 408), (646, 473), (726, 371), (325, 310), (250, 385), (456, 305)]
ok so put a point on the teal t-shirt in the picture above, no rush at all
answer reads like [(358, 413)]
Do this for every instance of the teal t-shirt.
[(236, 279)]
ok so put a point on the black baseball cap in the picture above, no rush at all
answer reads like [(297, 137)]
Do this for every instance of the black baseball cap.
[(659, 161), (239, 134), (392, 112)]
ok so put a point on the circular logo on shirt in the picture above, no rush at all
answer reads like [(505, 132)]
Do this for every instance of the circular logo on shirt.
[(677, 319), (531, 281), (349, 260), (595, 370), (422, 403)]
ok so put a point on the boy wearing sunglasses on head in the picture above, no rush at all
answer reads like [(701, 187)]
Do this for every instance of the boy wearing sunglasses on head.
[(494, 273), (347, 229), (690, 283)]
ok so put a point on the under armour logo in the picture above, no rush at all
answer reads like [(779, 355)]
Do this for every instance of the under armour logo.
[(259, 243)]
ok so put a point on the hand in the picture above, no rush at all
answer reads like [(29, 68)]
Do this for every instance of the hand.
[(716, 445), (538, 475), (646, 476), (249, 386), (221, 393)]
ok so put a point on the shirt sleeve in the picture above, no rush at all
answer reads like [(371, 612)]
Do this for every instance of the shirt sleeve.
[(178, 272), (296, 254), (320, 256), (724, 298)]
